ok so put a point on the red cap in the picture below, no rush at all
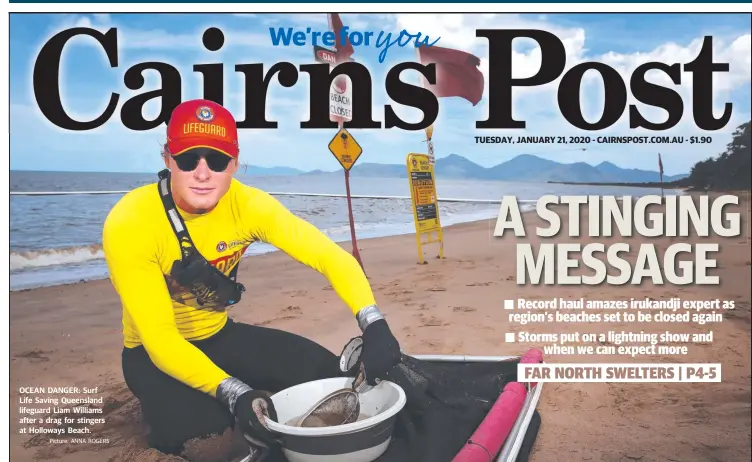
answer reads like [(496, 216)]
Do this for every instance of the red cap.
[(200, 123)]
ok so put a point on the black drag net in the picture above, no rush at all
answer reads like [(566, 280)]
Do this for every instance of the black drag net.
[(446, 402)]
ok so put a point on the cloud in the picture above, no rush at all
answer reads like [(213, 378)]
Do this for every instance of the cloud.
[(154, 39), (160, 39), (297, 20), (539, 107), (455, 127), (459, 31)]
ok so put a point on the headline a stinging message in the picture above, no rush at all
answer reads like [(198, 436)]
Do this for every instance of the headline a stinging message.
[(609, 216)]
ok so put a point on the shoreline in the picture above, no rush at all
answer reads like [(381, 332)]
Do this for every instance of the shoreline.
[(92, 265), (345, 239), (72, 336), (648, 184)]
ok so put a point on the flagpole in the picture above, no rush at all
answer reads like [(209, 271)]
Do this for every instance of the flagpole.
[(340, 125), (353, 239), (662, 197), (432, 162), (660, 170), (429, 129)]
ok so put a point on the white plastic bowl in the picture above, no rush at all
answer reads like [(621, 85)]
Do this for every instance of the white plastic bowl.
[(360, 441)]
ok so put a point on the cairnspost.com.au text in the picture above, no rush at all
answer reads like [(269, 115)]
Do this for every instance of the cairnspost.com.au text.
[(288, 36)]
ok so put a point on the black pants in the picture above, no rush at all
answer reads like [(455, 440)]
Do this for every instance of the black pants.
[(264, 358)]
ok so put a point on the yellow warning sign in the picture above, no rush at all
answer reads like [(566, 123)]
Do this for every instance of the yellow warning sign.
[(420, 174), (345, 149)]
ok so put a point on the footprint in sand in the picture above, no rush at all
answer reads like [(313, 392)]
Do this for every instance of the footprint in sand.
[(295, 293), (431, 276), (432, 321), (466, 264), (34, 355), (298, 293), (285, 314), (464, 309), (432, 345), (393, 293), (278, 318)]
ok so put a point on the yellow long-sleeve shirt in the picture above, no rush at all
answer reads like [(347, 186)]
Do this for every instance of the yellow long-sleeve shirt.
[(140, 248)]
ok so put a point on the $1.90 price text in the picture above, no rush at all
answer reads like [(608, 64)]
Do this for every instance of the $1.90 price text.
[(587, 140)]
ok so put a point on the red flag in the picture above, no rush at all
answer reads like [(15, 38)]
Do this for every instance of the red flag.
[(660, 164), (457, 73), (344, 47)]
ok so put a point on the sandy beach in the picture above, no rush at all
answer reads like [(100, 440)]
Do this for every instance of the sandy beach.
[(70, 336)]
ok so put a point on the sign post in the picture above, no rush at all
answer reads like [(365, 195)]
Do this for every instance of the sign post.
[(425, 204), (347, 150), (343, 145), (429, 135), (660, 170)]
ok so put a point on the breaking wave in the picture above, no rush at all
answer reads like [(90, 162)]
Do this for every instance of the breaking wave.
[(31, 260), (52, 257)]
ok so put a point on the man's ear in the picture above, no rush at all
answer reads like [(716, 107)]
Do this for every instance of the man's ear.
[(165, 157)]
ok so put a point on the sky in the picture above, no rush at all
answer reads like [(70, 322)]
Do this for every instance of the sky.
[(623, 41)]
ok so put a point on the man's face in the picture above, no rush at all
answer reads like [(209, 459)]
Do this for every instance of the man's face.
[(200, 189)]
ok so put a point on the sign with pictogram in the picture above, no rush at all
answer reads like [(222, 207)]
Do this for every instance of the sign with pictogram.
[(345, 149), (425, 204)]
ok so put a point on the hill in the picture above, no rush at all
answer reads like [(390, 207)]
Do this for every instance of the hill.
[(253, 170), (524, 167)]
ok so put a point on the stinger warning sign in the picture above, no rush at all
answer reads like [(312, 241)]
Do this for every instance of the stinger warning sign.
[(345, 149), (425, 203)]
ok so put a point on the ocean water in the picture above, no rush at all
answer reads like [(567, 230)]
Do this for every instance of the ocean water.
[(56, 239)]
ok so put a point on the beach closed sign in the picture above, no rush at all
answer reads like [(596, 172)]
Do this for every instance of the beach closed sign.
[(340, 92), (340, 99), (424, 200)]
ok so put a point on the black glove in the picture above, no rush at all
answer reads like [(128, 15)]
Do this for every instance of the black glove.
[(251, 410), (381, 351)]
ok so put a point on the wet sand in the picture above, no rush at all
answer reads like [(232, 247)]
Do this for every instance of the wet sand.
[(70, 336)]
